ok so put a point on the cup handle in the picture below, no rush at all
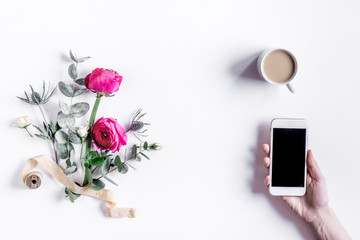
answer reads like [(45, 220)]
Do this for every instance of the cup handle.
[(290, 87)]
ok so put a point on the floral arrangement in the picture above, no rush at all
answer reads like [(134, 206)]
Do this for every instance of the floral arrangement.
[(96, 148)]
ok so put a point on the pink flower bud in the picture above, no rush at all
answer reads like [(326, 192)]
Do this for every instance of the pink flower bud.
[(103, 81)]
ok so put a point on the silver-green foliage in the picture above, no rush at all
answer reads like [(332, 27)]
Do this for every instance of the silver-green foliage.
[(66, 136)]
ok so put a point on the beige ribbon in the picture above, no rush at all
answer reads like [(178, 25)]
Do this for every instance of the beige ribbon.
[(58, 173)]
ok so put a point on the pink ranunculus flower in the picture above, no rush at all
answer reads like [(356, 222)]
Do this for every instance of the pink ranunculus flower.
[(108, 134), (103, 80)]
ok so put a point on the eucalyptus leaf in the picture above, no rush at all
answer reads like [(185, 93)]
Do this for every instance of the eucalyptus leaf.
[(98, 161), (65, 89), (71, 147), (73, 57), (106, 166), (70, 170), (80, 81), (118, 163), (80, 91), (138, 158), (61, 137), (72, 156), (68, 163), (72, 71), (88, 176), (134, 151), (125, 169), (79, 109), (65, 120), (83, 59), (71, 160), (72, 196), (146, 145), (109, 180), (64, 107), (63, 150), (97, 185), (73, 137), (145, 156)]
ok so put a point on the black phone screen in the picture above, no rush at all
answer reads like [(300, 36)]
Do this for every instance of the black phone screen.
[(288, 157)]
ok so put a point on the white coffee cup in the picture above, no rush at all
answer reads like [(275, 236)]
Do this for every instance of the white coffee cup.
[(278, 67)]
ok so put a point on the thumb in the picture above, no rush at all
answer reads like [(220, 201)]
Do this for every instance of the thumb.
[(313, 168)]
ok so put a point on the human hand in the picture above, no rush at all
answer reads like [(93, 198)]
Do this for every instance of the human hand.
[(313, 207), (309, 206)]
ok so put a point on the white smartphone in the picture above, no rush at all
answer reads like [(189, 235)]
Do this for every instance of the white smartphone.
[(288, 153)]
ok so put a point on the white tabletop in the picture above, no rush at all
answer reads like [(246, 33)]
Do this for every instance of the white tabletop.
[(190, 65)]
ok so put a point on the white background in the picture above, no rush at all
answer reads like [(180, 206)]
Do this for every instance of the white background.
[(189, 64)]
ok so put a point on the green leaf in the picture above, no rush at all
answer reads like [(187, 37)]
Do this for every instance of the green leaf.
[(42, 136), (118, 163), (45, 127), (86, 164), (79, 109), (97, 185), (64, 107), (73, 137), (73, 57), (66, 89), (125, 169), (109, 180), (70, 170), (72, 71), (63, 150), (68, 163), (72, 196), (88, 176), (53, 127), (72, 157), (43, 94), (134, 151), (38, 128), (146, 145), (65, 120), (61, 137), (98, 161), (83, 59), (91, 155), (80, 91), (106, 166), (144, 155), (138, 158), (80, 81)]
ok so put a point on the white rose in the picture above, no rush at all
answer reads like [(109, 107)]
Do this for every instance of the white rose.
[(22, 122), (83, 131)]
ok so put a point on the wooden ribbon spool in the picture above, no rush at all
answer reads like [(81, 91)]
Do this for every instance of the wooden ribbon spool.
[(33, 180)]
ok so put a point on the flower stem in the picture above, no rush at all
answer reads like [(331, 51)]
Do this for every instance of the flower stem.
[(49, 132), (81, 151), (91, 123), (28, 131)]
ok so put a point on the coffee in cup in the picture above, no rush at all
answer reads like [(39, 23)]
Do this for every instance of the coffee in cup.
[(278, 67)]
